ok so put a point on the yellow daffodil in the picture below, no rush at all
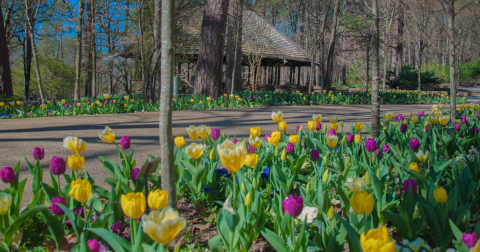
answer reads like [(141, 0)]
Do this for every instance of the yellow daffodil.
[(312, 125), (80, 190), (74, 144), (357, 139), (388, 116), (293, 139), (251, 160), (5, 203), (317, 118), (255, 142), (204, 131), (163, 226), (76, 162), (333, 119), (277, 116), (180, 141), (377, 240), (255, 132), (195, 150), (332, 140), (362, 202), (193, 132), (440, 195), (282, 126), (414, 166), (133, 204), (422, 157), (232, 156), (107, 135), (359, 126), (355, 185), (444, 119), (158, 199)]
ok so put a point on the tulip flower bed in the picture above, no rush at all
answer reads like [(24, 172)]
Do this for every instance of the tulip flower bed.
[(116, 104), (317, 188)]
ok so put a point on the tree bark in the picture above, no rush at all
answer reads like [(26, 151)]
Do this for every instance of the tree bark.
[(451, 58), (331, 49), (397, 53), (155, 74), (234, 46), (375, 70), (419, 64), (210, 56), (367, 70), (165, 124), (94, 52), (27, 63), (78, 58), (88, 50), (5, 72), (30, 29)]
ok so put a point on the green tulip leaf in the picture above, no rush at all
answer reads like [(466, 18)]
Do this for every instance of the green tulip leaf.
[(117, 243)]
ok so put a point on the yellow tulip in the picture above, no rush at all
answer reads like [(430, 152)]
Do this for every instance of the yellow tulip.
[(333, 126), (132, 100), (440, 195), (80, 190), (192, 100), (330, 213), (107, 135), (76, 162), (180, 141), (388, 116), (232, 156), (325, 176), (211, 156), (5, 202), (255, 142), (414, 119), (133, 204), (437, 113), (44, 106), (163, 226), (193, 132), (274, 140), (444, 119), (359, 126), (294, 139), (63, 101), (251, 160), (317, 118), (106, 96), (463, 106), (2, 104), (277, 116), (283, 157), (158, 199), (357, 138), (333, 119), (312, 125), (209, 98), (282, 126), (332, 140), (368, 180), (355, 185), (433, 119), (204, 131), (377, 240), (248, 200), (74, 144), (195, 150), (277, 134), (362, 202), (414, 166), (255, 132), (421, 156)]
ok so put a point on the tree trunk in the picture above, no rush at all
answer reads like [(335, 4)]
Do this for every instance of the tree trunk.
[(331, 49), (397, 53), (5, 73), (27, 63), (30, 26), (155, 75), (79, 50), (367, 70), (234, 46), (165, 124), (88, 49), (210, 56), (94, 52), (451, 58), (375, 70), (419, 65)]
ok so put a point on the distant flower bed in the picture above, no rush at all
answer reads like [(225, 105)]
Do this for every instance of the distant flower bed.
[(117, 104)]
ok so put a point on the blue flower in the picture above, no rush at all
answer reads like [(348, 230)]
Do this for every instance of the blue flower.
[(222, 172), (265, 173), (275, 191), (208, 190)]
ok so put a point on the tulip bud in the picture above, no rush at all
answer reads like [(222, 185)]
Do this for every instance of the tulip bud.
[(284, 155), (325, 177), (7, 174), (248, 200), (38, 153), (325, 160), (309, 187), (343, 139), (347, 162), (330, 213), (125, 142), (411, 135), (368, 181), (276, 152), (254, 183), (341, 124), (211, 156)]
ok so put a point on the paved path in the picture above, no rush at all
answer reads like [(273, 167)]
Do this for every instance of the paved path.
[(19, 136)]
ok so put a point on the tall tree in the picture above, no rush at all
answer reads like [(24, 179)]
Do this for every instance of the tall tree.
[(327, 78), (78, 58), (88, 48), (234, 46), (397, 52), (166, 137), (375, 69), (5, 74), (30, 30), (451, 58), (154, 67), (210, 56), (27, 63)]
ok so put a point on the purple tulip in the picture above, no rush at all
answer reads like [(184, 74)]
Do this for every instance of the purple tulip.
[(57, 165), (414, 144), (350, 138), (464, 120), (117, 228), (68, 224), (370, 145), (235, 140), (403, 128), (125, 142), (111, 101), (315, 155), (7, 174), (400, 117), (267, 136), (457, 126), (38, 153), (428, 128), (89, 103), (385, 148), (319, 126), (67, 105), (135, 174), (79, 211), (377, 151), (94, 245), (55, 202), (478, 114), (251, 150), (469, 239), (474, 130), (151, 101), (290, 147), (420, 113), (410, 183), (293, 205), (332, 132), (215, 133), (298, 127)]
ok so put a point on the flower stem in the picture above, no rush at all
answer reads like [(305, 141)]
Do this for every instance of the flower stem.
[(133, 227), (293, 233), (59, 187), (234, 178)]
